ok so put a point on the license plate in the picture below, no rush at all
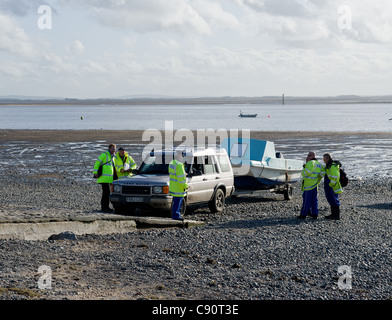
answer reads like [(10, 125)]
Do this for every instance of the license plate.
[(134, 199)]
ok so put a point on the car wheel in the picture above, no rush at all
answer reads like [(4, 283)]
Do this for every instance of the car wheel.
[(217, 204), (183, 207)]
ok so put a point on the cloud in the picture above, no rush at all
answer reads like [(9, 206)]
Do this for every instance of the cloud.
[(215, 15), (296, 8), (165, 44), (14, 39), (371, 22), (11, 70), (93, 67), (146, 16), (306, 23), (191, 47), (20, 7), (75, 48)]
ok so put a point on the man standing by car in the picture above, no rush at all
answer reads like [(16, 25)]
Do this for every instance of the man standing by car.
[(124, 164), (177, 184), (104, 171)]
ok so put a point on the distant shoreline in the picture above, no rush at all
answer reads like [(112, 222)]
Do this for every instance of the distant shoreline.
[(278, 100)]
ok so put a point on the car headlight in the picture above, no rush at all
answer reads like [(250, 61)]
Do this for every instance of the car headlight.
[(164, 189), (157, 190), (117, 188)]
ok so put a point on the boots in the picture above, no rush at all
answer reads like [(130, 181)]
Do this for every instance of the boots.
[(331, 215), (335, 213)]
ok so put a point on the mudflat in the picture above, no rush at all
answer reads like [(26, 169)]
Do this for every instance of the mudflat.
[(113, 135)]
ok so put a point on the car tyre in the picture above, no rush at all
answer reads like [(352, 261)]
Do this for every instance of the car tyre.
[(217, 204)]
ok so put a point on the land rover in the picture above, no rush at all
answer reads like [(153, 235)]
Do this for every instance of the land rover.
[(209, 176)]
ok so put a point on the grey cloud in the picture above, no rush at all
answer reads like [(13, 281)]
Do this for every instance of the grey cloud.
[(22, 7), (146, 16), (288, 8), (18, 7), (277, 7), (285, 8)]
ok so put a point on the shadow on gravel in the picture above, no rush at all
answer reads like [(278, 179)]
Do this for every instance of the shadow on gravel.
[(250, 199), (378, 206), (267, 222)]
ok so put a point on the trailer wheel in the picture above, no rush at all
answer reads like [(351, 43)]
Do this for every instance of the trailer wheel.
[(288, 192)]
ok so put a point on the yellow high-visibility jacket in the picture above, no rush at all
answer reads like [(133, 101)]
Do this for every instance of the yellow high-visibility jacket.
[(177, 183), (333, 174), (119, 165), (106, 160), (312, 174)]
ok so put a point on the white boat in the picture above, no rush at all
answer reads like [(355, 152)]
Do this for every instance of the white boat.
[(257, 166)]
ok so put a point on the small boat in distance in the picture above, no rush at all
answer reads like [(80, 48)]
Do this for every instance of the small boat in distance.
[(249, 115)]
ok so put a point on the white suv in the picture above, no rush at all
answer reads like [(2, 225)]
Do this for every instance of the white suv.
[(209, 176)]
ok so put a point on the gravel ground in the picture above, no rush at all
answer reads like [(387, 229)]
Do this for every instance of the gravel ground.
[(255, 250)]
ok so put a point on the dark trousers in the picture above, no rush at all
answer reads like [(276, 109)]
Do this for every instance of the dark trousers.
[(105, 195), (310, 202), (176, 207), (332, 197)]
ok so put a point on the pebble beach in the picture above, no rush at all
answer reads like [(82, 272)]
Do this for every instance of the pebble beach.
[(255, 250)]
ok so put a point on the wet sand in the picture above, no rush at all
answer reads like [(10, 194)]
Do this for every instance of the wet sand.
[(363, 154), (115, 135)]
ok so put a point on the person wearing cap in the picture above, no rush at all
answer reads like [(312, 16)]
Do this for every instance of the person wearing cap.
[(312, 174), (332, 186), (177, 184), (106, 164), (124, 164)]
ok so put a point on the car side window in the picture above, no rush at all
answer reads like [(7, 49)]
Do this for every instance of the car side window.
[(197, 166), (209, 165), (224, 163)]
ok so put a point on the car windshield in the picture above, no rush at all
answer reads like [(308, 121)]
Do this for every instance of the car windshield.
[(157, 165)]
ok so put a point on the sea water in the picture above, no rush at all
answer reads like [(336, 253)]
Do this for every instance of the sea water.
[(361, 157), (366, 117)]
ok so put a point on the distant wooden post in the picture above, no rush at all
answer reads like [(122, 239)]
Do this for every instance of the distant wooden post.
[(283, 98)]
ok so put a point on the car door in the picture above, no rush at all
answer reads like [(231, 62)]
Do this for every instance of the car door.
[(226, 177), (210, 177), (196, 182)]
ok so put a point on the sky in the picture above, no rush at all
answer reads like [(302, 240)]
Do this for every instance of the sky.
[(195, 48)]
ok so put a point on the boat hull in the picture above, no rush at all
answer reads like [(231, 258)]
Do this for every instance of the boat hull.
[(265, 178), (256, 165), (248, 115)]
